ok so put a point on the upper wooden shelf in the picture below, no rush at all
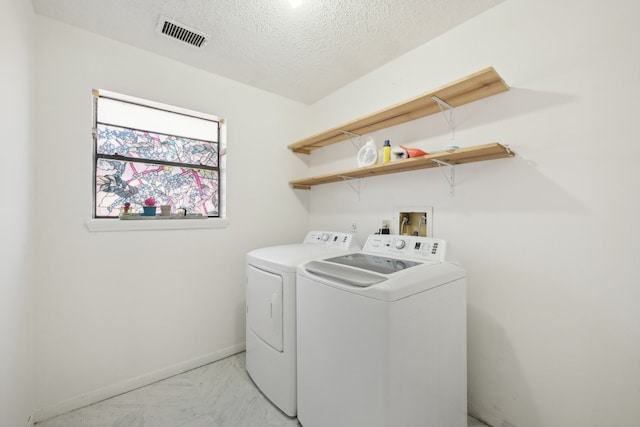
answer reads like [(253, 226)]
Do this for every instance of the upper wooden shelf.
[(476, 86), (453, 157)]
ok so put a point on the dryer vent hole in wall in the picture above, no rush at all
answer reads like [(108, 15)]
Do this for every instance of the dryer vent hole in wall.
[(178, 31)]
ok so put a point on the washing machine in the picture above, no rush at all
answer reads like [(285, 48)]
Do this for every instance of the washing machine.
[(382, 337), (271, 312)]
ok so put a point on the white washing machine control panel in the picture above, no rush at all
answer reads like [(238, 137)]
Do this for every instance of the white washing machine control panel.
[(330, 239), (409, 247)]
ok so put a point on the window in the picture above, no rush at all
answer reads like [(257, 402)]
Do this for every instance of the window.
[(144, 149)]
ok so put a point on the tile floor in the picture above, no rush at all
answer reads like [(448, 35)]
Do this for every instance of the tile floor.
[(220, 394)]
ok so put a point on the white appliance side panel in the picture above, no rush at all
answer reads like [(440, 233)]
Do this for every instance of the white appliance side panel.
[(342, 355), (264, 305), (428, 364)]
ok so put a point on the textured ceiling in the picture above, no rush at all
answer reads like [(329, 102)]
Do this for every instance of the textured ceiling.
[(303, 53)]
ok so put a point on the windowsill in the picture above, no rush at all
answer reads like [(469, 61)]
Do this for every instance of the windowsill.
[(156, 224)]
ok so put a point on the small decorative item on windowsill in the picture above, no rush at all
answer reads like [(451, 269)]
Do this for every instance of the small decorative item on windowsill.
[(149, 207), (149, 213)]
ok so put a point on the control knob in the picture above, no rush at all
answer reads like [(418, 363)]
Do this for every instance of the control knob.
[(399, 244)]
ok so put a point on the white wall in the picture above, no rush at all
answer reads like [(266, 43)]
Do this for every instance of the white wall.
[(116, 306), (549, 238), (17, 326)]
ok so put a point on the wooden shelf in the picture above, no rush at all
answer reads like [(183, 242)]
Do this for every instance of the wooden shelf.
[(454, 157), (476, 86)]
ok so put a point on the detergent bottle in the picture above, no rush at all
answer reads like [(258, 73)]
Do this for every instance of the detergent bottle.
[(386, 152), (368, 154)]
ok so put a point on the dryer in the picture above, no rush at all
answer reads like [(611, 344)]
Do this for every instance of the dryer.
[(271, 312), (382, 337)]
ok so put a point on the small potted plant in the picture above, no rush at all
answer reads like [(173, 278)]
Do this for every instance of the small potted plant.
[(149, 207)]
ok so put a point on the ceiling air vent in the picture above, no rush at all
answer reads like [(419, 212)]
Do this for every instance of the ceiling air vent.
[(181, 32)]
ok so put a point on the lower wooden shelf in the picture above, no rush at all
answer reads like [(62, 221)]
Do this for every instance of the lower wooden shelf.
[(454, 157)]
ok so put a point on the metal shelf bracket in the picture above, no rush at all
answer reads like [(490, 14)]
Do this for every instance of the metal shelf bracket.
[(449, 113), (449, 174), (357, 146), (355, 186)]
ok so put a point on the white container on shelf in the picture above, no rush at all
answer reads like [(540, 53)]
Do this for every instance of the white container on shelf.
[(368, 154)]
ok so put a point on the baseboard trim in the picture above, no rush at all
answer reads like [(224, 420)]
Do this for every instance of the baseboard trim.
[(476, 411), (120, 387)]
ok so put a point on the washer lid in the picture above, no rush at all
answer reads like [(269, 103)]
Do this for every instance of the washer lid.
[(383, 287), (344, 274), (372, 262)]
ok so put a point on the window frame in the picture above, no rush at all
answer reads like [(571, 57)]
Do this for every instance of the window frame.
[(108, 224)]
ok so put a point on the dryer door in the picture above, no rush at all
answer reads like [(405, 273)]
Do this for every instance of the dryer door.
[(264, 305)]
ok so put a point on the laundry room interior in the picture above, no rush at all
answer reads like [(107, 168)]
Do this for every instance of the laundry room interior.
[(547, 234)]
